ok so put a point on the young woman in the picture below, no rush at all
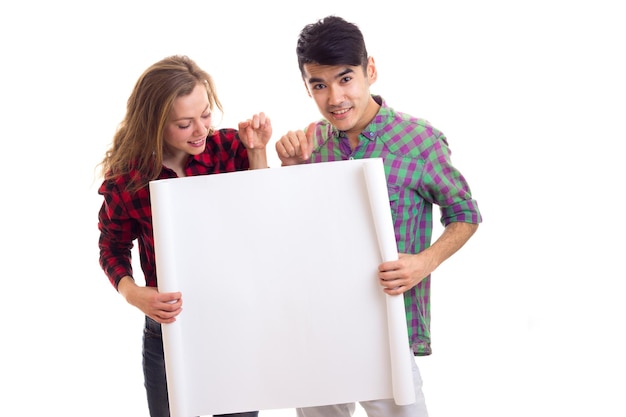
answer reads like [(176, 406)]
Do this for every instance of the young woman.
[(167, 132)]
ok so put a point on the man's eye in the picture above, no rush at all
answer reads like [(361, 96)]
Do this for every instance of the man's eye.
[(318, 86)]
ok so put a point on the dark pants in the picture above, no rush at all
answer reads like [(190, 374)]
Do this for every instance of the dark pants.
[(154, 373)]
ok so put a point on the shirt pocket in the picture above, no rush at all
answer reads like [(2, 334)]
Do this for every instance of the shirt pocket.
[(394, 201)]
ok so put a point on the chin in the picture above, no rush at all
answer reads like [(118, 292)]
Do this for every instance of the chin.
[(196, 151), (343, 125)]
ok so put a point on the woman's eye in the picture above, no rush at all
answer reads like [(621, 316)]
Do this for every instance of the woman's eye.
[(185, 126)]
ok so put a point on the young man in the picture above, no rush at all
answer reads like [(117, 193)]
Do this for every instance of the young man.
[(338, 73)]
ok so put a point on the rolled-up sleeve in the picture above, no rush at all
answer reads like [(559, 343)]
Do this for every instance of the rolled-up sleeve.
[(443, 184), (116, 235)]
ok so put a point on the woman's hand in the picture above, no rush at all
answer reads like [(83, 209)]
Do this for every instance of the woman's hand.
[(161, 307)]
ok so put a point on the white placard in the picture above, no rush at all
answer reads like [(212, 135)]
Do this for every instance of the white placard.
[(281, 303)]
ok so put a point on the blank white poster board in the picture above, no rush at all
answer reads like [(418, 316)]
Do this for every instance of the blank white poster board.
[(281, 303)]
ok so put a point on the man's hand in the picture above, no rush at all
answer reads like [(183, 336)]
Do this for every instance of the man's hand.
[(296, 146)]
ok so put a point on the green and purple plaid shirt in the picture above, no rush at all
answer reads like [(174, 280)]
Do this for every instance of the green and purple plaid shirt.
[(419, 174)]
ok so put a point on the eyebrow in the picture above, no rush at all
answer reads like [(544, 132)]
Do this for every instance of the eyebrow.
[(314, 80), (191, 118)]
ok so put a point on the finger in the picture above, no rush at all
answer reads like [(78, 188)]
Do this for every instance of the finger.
[(281, 151), (289, 143), (250, 132), (165, 317), (267, 123), (393, 285), (244, 124), (262, 119), (255, 122), (246, 133), (172, 307), (307, 146), (169, 297)]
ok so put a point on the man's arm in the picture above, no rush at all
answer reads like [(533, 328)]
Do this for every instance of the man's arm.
[(399, 276)]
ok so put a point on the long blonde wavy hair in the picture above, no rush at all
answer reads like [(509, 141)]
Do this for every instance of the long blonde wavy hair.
[(138, 141)]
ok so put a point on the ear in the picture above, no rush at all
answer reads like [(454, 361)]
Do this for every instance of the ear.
[(372, 74)]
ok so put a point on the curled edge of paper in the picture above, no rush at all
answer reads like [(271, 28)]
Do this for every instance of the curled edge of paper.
[(401, 368), (171, 332)]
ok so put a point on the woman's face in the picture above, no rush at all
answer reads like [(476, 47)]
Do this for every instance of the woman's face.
[(188, 124)]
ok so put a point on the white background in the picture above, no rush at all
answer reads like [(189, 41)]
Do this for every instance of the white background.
[(527, 317)]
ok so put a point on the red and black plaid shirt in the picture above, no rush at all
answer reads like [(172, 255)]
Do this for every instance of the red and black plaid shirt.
[(126, 216)]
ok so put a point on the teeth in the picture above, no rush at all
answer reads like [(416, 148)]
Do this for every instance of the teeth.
[(340, 111)]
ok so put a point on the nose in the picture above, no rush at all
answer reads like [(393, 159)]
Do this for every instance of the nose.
[(201, 129), (335, 96)]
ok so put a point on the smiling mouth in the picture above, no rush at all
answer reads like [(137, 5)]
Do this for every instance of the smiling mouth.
[(340, 112)]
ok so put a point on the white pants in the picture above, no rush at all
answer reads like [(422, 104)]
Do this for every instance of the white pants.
[(375, 408)]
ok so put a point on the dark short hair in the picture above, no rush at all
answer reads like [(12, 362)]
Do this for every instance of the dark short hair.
[(331, 41)]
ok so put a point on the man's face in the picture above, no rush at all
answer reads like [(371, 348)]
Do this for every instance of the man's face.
[(342, 94)]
